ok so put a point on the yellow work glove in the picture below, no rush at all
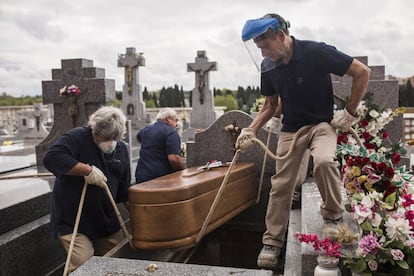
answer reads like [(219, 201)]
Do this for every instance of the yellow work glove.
[(245, 138)]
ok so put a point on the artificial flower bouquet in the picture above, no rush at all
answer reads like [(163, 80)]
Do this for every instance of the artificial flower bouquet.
[(72, 90), (380, 195)]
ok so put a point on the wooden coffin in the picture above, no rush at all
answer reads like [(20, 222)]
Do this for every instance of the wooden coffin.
[(169, 211)]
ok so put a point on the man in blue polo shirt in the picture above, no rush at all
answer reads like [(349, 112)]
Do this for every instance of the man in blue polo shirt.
[(299, 72), (160, 147)]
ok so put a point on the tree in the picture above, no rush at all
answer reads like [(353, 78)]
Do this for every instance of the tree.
[(228, 101), (145, 94)]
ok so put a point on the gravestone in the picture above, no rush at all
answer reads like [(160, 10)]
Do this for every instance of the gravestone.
[(31, 125), (385, 94), (203, 114), (72, 110), (132, 102)]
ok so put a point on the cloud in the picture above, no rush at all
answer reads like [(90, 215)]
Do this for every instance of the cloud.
[(37, 35)]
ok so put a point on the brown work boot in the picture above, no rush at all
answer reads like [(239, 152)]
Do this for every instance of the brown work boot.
[(269, 256)]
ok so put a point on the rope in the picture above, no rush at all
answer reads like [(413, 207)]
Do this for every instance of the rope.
[(291, 147), (118, 214), (77, 219), (75, 229), (213, 206), (263, 168), (233, 162), (25, 176), (218, 195), (353, 132)]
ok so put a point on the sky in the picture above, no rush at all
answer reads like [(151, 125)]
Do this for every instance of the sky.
[(36, 35)]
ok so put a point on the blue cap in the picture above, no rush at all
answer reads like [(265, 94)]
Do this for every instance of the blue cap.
[(255, 27)]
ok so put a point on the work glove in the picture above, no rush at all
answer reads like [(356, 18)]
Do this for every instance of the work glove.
[(96, 177), (245, 138), (273, 124), (343, 120)]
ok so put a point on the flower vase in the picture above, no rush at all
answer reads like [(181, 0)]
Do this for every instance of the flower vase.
[(327, 266)]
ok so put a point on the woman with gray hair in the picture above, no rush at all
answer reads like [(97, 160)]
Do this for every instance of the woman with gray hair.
[(96, 155), (160, 147)]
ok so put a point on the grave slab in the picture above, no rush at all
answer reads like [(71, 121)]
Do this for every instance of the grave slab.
[(312, 223), (104, 266)]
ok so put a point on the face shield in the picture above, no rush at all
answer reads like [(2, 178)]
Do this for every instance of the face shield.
[(254, 31)]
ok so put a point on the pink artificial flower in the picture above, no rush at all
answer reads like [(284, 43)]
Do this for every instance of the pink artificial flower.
[(73, 89), (397, 254), (408, 200), (373, 265), (368, 244), (331, 248)]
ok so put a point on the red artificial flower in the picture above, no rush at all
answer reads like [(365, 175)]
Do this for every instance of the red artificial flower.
[(370, 145), (381, 167), (364, 123), (409, 215), (385, 135), (366, 136), (389, 172), (395, 158), (342, 138)]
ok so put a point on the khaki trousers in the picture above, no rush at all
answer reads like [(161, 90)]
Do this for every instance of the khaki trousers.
[(302, 174), (84, 248), (321, 141)]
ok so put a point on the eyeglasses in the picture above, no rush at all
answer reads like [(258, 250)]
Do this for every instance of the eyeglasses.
[(174, 119)]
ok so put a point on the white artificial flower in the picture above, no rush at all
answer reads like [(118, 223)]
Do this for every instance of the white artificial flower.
[(361, 212), (376, 219), (378, 142), (398, 228), (373, 113)]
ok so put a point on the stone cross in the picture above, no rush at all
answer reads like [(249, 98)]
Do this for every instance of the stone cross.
[(132, 102), (31, 124), (203, 114), (74, 110)]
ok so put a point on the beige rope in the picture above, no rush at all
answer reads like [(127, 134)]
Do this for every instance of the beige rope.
[(118, 214), (218, 195), (6, 177), (353, 132), (292, 144), (75, 229), (233, 162), (77, 219), (269, 134)]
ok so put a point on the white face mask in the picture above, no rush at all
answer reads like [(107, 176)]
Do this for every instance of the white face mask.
[(107, 147)]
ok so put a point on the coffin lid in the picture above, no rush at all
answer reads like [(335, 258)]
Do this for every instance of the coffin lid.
[(178, 186)]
